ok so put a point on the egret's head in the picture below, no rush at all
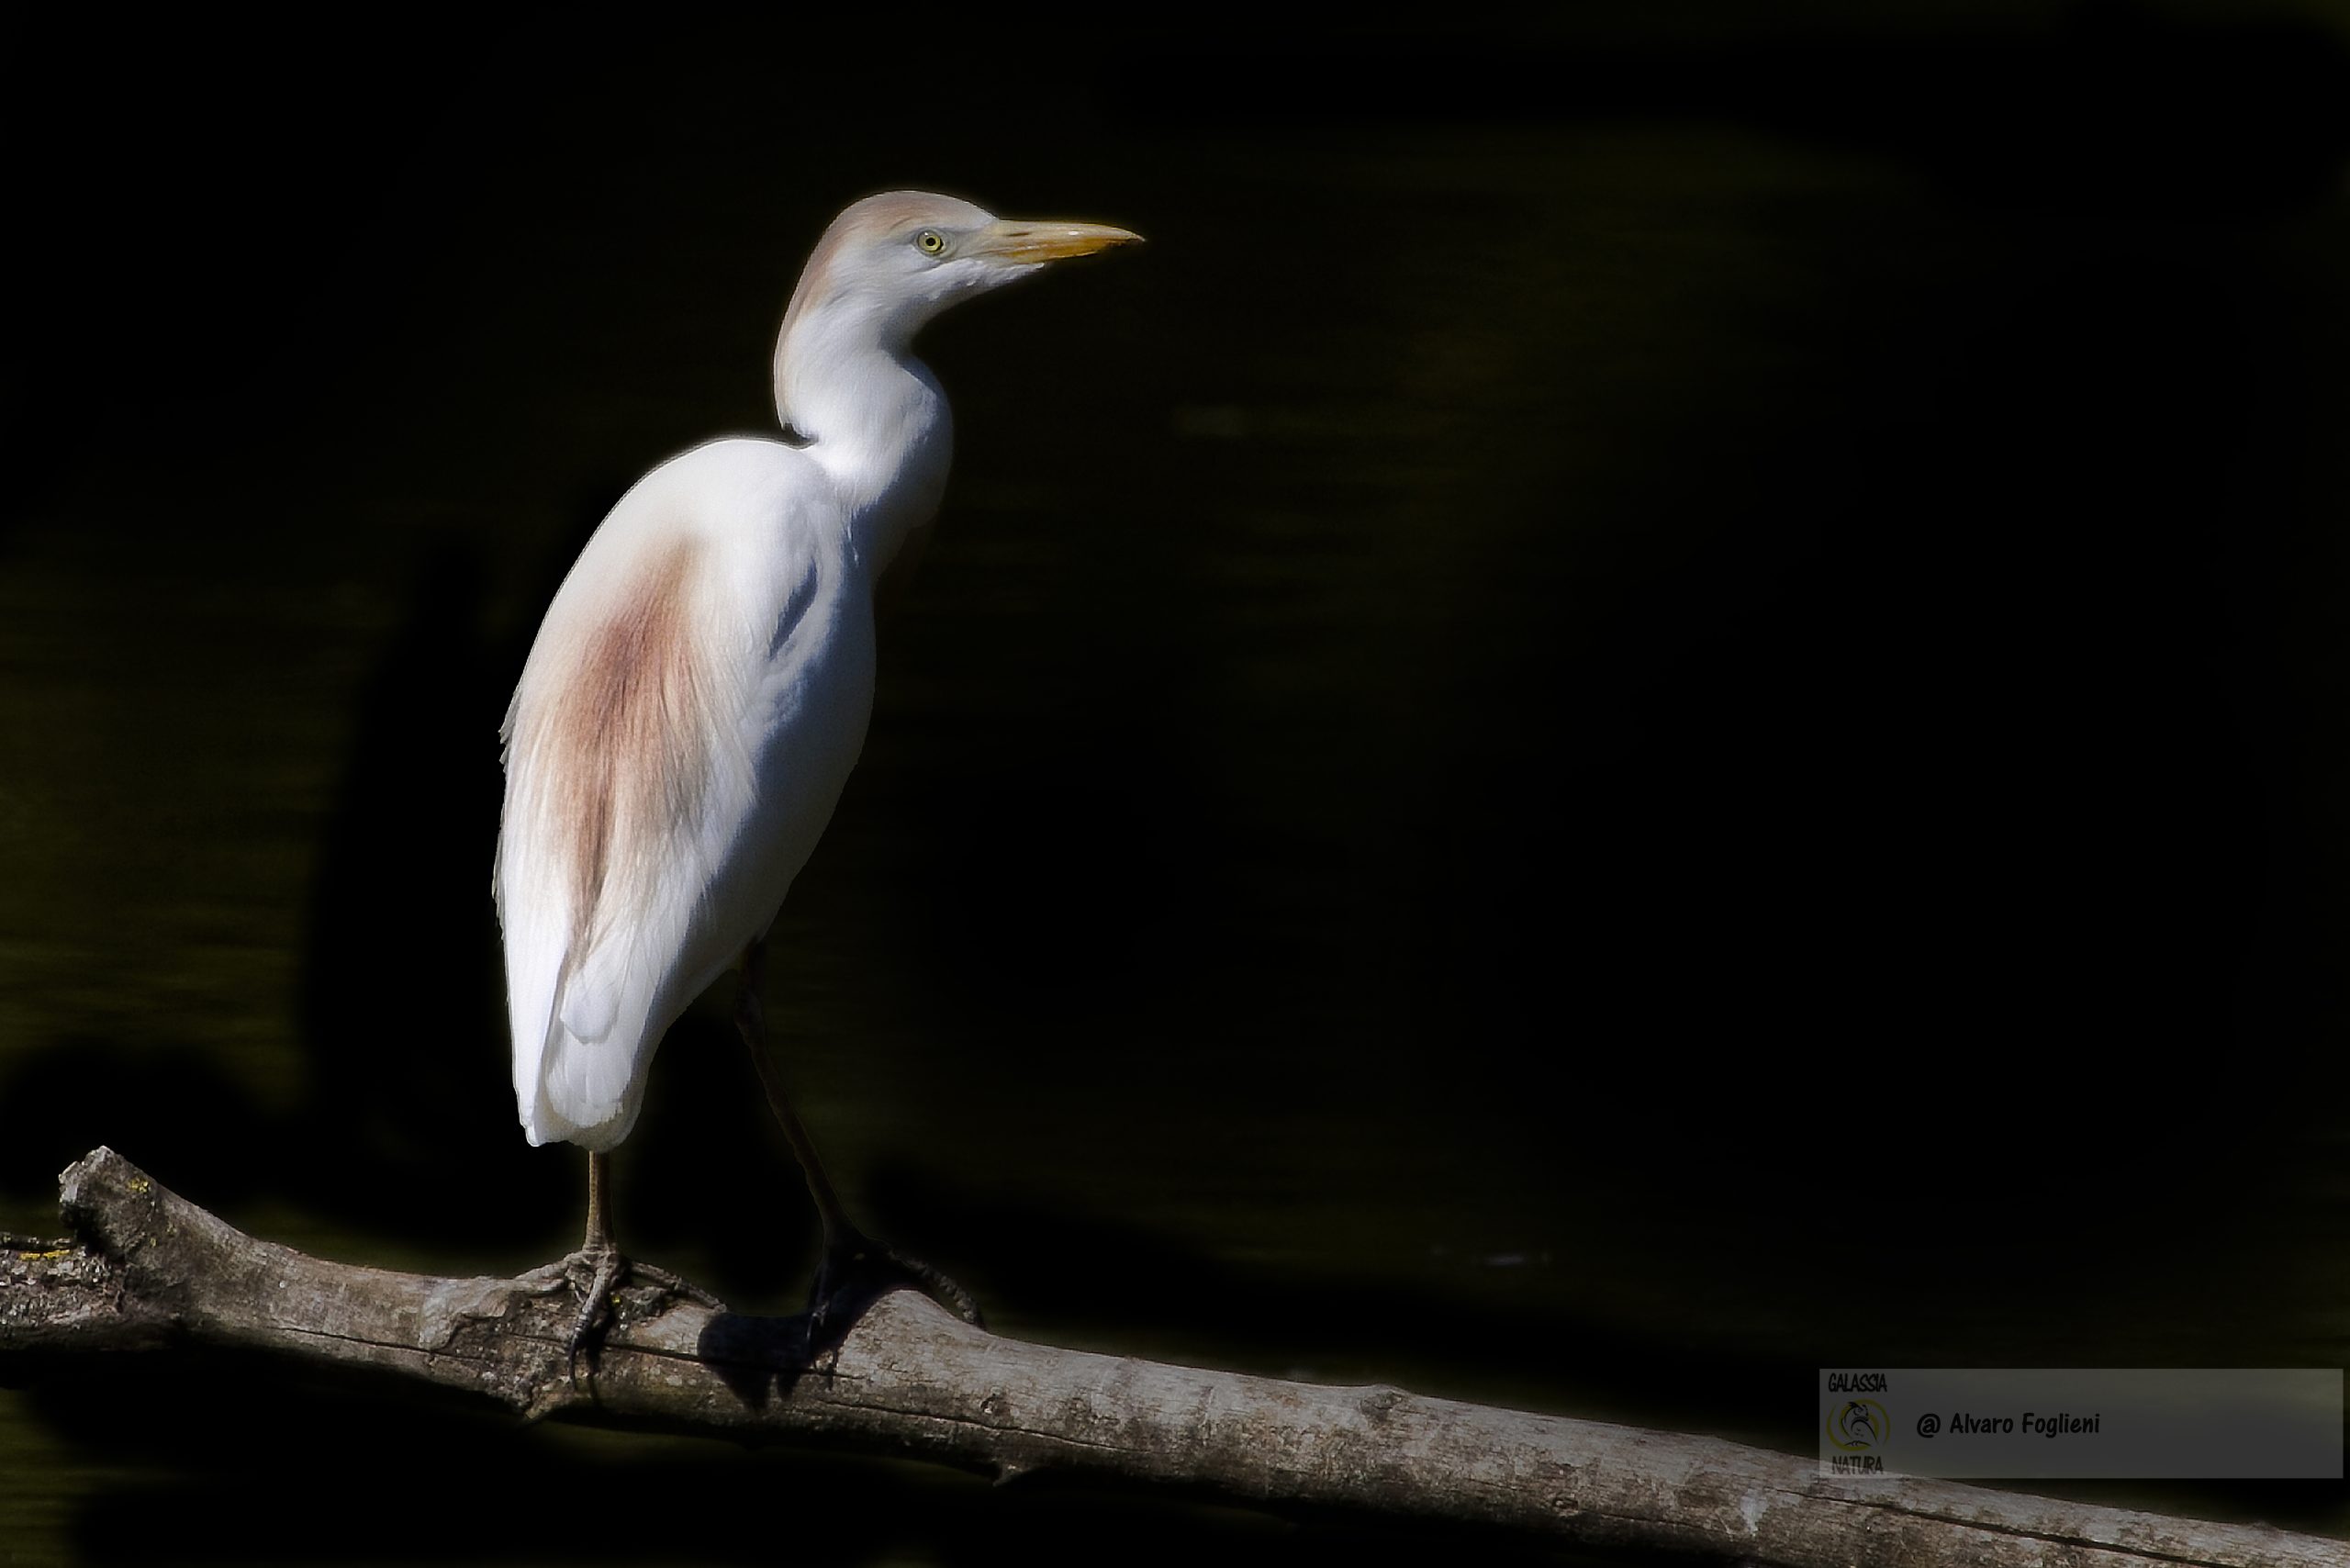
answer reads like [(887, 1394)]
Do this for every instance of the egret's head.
[(891, 261)]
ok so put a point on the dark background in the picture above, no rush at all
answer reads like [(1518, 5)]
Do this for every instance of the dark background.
[(1654, 703)]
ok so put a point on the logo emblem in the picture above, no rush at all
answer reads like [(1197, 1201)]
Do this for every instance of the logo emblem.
[(1858, 1425)]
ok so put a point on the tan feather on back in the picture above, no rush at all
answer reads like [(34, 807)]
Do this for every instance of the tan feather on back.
[(614, 742)]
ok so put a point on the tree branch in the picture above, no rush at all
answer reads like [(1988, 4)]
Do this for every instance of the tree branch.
[(149, 1271)]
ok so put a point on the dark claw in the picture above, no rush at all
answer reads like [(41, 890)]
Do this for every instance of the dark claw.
[(604, 1269), (596, 1273), (857, 1270)]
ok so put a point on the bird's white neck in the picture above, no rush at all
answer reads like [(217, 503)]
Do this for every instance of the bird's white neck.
[(873, 417)]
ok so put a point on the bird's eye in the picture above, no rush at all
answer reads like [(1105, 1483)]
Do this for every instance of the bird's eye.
[(930, 242)]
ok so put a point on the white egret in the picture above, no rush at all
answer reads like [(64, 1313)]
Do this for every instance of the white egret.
[(699, 691)]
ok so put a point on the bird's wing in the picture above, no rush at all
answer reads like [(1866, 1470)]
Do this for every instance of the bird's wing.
[(631, 753)]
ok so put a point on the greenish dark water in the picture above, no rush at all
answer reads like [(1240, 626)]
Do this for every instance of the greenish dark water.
[(1643, 710)]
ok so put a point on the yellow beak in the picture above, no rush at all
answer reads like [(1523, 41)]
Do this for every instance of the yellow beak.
[(1029, 240)]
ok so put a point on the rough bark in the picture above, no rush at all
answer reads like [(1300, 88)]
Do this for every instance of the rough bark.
[(148, 1270)]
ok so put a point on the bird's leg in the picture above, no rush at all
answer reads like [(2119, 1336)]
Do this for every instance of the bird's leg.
[(851, 1257), (597, 1255), (596, 1269)]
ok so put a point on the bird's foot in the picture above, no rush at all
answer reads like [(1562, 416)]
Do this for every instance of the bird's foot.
[(857, 1270), (593, 1274)]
